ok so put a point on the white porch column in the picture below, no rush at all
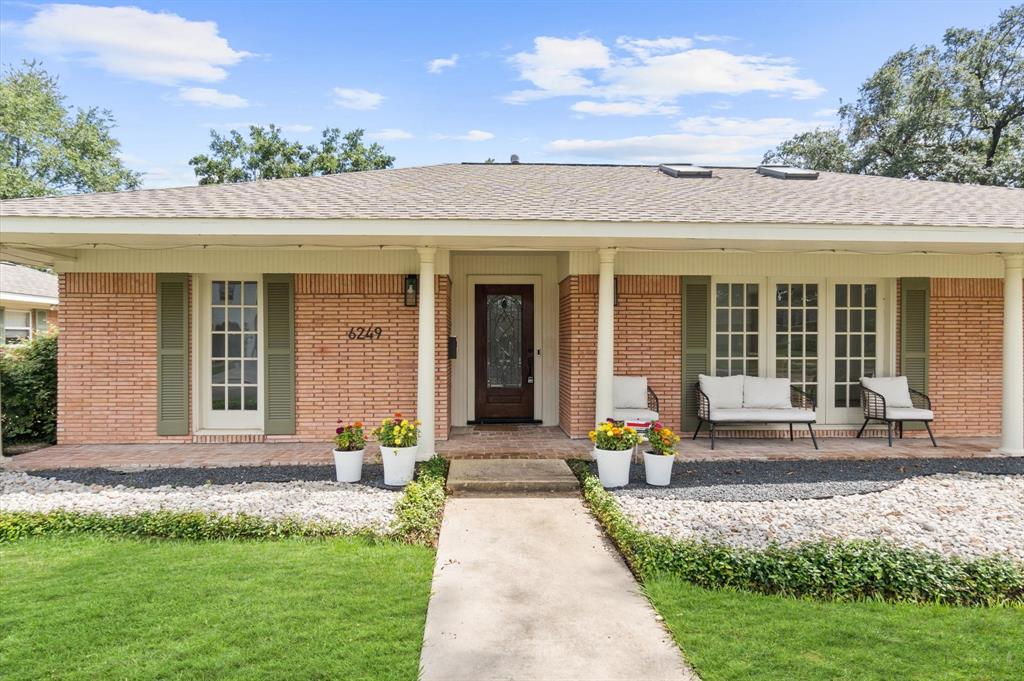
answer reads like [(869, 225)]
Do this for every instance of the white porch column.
[(605, 333), (425, 361), (1013, 357)]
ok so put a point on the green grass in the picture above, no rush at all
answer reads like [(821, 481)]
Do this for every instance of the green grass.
[(96, 607), (734, 635)]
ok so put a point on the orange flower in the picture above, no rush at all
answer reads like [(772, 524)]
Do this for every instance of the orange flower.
[(358, 424)]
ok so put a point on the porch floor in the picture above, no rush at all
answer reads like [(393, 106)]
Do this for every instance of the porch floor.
[(481, 442)]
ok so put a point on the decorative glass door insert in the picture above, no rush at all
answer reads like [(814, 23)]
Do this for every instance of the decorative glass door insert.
[(504, 341), (736, 333), (234, 346)]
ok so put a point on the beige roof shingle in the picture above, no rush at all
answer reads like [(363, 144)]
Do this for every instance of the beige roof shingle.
[(27, 281), (605, 193)]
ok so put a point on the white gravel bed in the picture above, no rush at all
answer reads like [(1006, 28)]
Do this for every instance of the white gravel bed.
[(355, 506), (761, 492), (966, 515)]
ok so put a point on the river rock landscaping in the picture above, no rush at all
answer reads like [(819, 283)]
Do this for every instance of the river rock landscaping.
[(357, 506), (964, 514)]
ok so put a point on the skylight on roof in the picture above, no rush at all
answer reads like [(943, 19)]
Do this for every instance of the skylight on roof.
[(684, 170), (788, 172)]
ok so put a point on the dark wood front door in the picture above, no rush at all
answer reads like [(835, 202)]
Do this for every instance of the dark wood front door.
[(504, 352)]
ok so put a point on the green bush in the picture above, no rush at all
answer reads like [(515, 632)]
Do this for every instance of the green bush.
[(28, 390), (842, 571), (419, 509)]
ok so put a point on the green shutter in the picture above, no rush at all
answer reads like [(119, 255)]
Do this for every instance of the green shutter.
[(279, 361), (172, 354), (41, 325), (696, 300), (914, 302)]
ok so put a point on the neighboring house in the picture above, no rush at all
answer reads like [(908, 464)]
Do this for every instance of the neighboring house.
[(28, 302), (269, 310)]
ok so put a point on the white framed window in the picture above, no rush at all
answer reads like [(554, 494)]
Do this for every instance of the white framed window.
[(822, 334), (230, 352), (737, 338), (17, 325)]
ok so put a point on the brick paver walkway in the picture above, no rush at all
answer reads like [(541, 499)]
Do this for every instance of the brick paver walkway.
[(505, 441)]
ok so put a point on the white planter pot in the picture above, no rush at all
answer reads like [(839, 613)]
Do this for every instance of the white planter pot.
[(399, 465), (613, 466), (658, 468), (348, 465)]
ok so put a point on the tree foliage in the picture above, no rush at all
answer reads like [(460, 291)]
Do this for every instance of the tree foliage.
[(28, 385), (953, 113), (47, 148), (266, 155)]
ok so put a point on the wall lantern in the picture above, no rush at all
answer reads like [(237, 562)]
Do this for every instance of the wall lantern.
[(412, 289), (615, 297)]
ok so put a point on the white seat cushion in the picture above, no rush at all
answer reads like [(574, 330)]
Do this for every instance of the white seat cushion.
[(634, 415), (766, 393), (790, 415), (908, 414), (629, 392), (895, 390), (724, 392)]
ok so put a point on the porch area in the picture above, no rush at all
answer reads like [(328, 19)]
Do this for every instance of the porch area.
[(492, 441)]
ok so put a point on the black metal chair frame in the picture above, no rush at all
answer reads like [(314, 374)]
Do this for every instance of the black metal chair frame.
[(798, 398), (874, 410)]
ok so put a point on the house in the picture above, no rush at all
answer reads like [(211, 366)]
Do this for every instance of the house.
[(28, 302), (266, 311)]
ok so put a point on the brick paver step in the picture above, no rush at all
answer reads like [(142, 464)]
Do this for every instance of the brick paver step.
[(511, 477)]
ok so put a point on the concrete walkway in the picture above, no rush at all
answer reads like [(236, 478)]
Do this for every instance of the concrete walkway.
[(529, 588)]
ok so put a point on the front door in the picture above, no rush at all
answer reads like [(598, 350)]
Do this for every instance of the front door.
[(504, 352)]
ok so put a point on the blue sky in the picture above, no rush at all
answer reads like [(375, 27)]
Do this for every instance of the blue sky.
[(703, 82)]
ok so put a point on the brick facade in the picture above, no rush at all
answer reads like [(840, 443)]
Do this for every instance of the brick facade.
[(966, 355), (647, 343), (106, 360), (107, 357), (338, 378)]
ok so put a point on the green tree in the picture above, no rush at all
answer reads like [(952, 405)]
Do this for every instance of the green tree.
[(265, 155), (46, 148), (953, 113)]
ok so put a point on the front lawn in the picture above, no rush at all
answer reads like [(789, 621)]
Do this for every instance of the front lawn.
[(91, 607), (732, 635)]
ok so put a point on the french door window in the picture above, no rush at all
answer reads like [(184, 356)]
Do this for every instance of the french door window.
[(737, 347), (856, 339), (230, 351), (796, 335), (821, 334)]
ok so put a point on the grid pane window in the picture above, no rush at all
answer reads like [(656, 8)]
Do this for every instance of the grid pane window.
[(736, 332), (234, 344), (17, 326), (856, 338), (796, 335)]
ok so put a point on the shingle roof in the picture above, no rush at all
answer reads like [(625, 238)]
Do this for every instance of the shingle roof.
[(561, 192), (27, 281)]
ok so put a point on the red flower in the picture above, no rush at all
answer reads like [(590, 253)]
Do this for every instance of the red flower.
[(339, 431), (398, 414)]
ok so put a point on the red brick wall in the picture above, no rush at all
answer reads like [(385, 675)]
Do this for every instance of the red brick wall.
[(965, 355), (338, 378), (106, 362), (647, 343)]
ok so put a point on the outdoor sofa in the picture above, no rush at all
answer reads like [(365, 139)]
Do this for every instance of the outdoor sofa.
[(749, 399)]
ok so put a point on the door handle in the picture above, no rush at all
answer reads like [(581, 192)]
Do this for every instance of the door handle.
[(529, 365)]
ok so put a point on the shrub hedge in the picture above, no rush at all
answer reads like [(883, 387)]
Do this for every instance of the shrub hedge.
[(842, 571), (418, 520), (28, 383)]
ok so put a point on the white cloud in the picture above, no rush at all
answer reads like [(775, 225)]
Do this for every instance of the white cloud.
[(700, 139), (649, 73), (207, 96), (826, 113), (624, 108), (388, 134), (297, 127), (157, 47), (440, 64), (244, 126), (555, 66), (471, 136), (354, 98)]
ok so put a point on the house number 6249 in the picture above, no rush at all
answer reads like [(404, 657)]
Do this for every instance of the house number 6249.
[(370, 333)]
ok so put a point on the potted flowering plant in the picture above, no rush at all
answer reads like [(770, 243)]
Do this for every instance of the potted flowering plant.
[(659, 458), (398, 438), (614, 443), (349, 445)]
